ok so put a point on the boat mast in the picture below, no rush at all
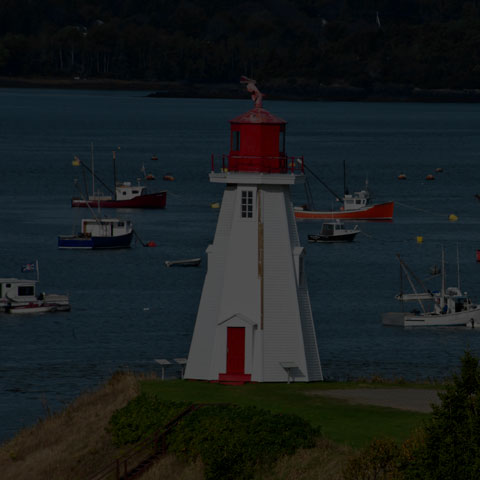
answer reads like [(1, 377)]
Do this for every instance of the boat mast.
[(442, 301), (93, 170), (114, 174), (409, 274), (345, 189), (458, 270)]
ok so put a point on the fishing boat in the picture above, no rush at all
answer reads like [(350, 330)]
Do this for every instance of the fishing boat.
[(354, 206), (99, 233), (334, 232), (18, 296), (447, 307), (123, 195)]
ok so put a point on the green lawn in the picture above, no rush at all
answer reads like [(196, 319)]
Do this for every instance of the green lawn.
[(354, 425)]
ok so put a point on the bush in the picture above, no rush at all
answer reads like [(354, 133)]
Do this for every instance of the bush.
[(446, 448), (381, 460), (141, 417), (232, 441), (452, 437)]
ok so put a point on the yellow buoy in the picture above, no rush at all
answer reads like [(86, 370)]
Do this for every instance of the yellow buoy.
[(452, 217), (419, 239)]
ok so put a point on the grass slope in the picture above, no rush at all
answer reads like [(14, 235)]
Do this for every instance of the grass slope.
[(353, 425)]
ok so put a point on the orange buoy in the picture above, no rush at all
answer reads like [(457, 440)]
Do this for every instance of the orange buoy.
[(429, 177), (402, 176)]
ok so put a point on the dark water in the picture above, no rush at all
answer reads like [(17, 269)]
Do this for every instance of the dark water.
[(128, 309)]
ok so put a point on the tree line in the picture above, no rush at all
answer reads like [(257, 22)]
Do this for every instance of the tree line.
[(421, 43)]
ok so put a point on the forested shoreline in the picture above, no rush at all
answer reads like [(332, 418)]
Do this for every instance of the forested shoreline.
[(333, 49)]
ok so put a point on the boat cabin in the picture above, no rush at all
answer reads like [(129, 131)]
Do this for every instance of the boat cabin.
[(356, 201), (17, 289), (127, 191), (105, 227), (332, 228)]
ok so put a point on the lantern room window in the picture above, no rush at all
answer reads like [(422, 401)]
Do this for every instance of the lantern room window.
[(236, 141), (281, 142), (247, 204)]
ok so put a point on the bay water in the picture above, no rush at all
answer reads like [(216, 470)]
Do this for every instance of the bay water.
[(128, 308)]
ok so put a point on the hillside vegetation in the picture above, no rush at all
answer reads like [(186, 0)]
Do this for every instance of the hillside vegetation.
[(428, 44)]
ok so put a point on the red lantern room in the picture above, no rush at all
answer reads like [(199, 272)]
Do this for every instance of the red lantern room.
[(257, 142), (257, 139)]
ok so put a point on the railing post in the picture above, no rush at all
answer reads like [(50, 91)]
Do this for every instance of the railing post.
[(213, 163)]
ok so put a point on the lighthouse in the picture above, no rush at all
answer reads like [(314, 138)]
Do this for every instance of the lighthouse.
[(254, 322)]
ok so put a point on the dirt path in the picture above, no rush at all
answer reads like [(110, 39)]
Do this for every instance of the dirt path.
[(418, 400)]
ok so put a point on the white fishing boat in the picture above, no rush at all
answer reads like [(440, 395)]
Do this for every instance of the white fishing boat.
[(334, 232), (447, 307), (19, 296)]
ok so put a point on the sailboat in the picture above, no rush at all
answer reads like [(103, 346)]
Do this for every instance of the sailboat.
[(450, 306), (124, 194), (354, 206)]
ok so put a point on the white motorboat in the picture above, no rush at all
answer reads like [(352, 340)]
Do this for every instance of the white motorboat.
[(334, 232), (449, 306), (18, 296)]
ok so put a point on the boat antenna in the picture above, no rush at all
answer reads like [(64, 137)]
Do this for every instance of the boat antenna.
[(345, 189), (93, 170), (458, 270), (114, 158), (443, 275), (38, 271)]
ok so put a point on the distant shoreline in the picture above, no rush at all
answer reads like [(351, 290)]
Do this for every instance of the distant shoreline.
[(294, 92)]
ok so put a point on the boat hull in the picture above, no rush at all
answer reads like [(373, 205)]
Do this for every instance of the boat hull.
[(79, 242), (378, 212), (468, 318), (151, 200), (30, 309), (332, 238)]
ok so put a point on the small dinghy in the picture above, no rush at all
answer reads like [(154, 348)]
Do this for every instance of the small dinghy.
[(189, 262)]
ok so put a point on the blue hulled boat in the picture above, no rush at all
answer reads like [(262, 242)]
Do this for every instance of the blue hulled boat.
[(99, 233)]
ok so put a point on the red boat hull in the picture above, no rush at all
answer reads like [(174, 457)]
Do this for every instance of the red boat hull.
[(152, 200), (379, 212)]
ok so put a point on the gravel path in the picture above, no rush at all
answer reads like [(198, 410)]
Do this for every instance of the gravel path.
[(418, 400)]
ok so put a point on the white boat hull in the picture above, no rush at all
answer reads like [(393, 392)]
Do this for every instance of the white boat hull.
[(467, 318)]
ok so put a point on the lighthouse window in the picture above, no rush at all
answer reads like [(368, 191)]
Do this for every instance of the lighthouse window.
[(247, 203), (236, 141), (281, 142)]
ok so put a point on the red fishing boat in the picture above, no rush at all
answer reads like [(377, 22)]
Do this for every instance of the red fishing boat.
[(125, 194), (354, 206)]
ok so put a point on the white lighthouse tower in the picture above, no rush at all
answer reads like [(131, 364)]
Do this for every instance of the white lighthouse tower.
[(254, 322)]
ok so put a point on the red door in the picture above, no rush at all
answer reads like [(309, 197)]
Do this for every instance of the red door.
[(235, 350)]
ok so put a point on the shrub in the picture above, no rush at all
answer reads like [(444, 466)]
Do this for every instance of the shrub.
[(452, 437), (232, 441), (381, 460), (141, 417)]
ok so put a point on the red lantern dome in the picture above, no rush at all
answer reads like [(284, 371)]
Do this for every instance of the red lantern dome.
[(257, 142)]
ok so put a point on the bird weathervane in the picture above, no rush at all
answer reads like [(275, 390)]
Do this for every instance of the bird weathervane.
[(252, 88)]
